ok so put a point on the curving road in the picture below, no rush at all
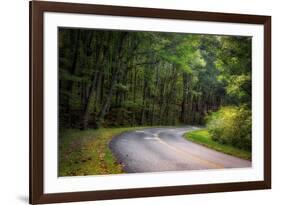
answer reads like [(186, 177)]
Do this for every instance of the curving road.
[(164, 149)]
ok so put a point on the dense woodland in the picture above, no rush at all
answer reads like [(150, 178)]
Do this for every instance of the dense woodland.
[(119, 78)]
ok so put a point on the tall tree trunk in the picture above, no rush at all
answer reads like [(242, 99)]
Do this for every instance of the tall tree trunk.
[(72, 72), (117, 71), (144, 102), (106, 103), (135, 84), (184, 98), (85, 115), (95, 76)]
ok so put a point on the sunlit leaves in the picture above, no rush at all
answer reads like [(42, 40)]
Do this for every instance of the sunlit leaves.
[(231, 125), (237, 86)]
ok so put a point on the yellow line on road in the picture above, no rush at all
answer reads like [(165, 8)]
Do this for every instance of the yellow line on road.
[(190, 155)]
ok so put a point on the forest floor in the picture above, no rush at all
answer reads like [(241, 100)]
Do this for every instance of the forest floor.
[(87, 152), (204, 138)]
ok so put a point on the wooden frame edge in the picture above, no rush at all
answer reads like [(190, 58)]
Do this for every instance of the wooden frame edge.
[(148, 192), (36, 102), (148, 12), (267, 102)]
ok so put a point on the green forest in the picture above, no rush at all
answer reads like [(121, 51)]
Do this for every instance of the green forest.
[(129, 79)]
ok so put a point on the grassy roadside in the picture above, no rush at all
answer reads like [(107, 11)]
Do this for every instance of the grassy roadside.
[(87, 153), (203, 137)]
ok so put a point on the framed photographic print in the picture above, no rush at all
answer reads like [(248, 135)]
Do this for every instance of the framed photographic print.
[(135, 102)]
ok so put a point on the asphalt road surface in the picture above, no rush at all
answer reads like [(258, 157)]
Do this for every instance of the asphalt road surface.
[(164, 149)]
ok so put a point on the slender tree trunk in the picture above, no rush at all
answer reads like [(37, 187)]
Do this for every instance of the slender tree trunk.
[(95, 76), (85, 115), (107, 101), (72, 72), (144, 102), (184, 98)]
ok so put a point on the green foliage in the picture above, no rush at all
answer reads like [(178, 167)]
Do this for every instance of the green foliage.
[(204, 137), (231, 125), (119, 78), (239, 86), (234, 64)]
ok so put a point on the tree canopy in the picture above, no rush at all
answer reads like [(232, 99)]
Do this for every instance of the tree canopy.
[(120, 78)]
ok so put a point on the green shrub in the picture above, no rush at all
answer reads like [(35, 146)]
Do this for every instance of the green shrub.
[(232, 125)]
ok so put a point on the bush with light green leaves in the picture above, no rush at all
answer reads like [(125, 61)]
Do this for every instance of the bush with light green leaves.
[(232, 125)]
